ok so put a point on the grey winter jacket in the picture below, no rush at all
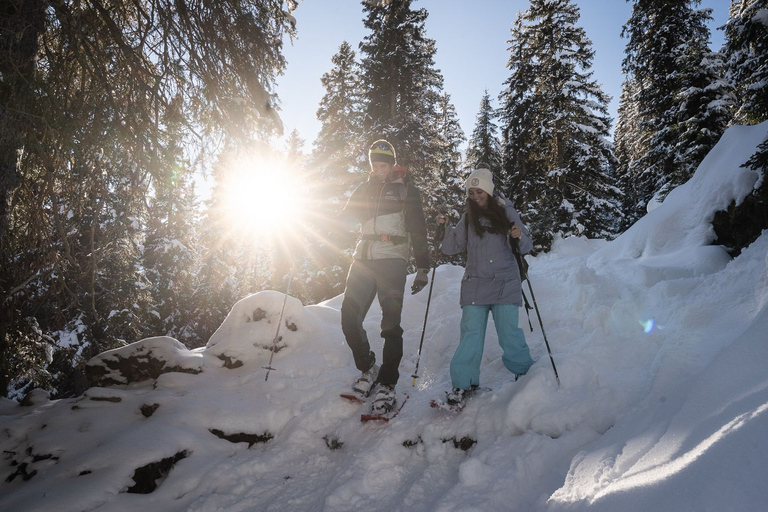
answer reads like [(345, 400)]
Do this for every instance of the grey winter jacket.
[(491, 275)]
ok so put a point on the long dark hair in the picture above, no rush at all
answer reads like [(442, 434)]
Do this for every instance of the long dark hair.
[(495, 212)]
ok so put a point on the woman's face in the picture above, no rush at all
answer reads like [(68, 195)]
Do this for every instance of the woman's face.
[(479, 196)]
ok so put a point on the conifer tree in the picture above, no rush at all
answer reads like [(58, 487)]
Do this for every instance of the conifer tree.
[(679, 100), (100, 298), (517, 115), (555, 126), (484, 146), (117, 284), (338, 150), (339, 160), (170, 257), (450, 139), (703, 110), (402, 85), (447, 188), (746, 50), (218, 287), (628, 148)]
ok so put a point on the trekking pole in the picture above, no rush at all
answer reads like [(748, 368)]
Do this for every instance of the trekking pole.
[(279, 323), (516, 250), (440, 230)]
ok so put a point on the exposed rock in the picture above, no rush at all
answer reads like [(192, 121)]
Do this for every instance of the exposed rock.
[(114, 399), (148, 478), (242, 437), (333, 442), (410, 443), (22, 472), (465, 443), (149, 410), (24, 465), (229, 362)]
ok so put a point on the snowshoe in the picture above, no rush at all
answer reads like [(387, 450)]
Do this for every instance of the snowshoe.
[(388, 415), (353, 397), (457, 398), (385, 400), (364, 384)]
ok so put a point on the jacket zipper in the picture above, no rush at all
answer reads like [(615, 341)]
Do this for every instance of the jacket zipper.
[(378, 204)]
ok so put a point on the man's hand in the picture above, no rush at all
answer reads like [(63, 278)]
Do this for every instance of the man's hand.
[(420, 280), (442, 221)]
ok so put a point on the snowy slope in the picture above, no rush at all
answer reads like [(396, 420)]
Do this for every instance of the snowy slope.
[(659, 340)]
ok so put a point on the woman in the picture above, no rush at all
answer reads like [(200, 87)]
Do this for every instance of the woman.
[(491, 282)]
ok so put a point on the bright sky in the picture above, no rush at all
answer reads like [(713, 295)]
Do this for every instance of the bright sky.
[(471, 50)]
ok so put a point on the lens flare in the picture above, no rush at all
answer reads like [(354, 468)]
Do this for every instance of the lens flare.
[(648, 325)]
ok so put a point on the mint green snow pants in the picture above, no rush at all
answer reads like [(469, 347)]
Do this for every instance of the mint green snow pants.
[(465, 365)]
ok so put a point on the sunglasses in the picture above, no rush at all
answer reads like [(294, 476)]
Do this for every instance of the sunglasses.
[(384, 147)]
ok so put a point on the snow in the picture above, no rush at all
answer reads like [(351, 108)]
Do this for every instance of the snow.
[(659, 340), (762, 16)]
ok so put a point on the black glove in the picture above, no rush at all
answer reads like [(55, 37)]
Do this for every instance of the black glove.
[(420, 280)]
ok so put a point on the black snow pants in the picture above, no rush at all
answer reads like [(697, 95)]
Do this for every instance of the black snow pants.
[(366, 280)]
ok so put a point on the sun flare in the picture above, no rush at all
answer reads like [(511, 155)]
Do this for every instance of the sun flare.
[(263, 200)]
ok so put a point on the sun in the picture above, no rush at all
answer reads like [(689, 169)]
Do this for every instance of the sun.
[(262, 200)]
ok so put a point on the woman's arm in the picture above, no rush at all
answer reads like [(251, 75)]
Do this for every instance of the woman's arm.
[(524, 242), (455, 239)]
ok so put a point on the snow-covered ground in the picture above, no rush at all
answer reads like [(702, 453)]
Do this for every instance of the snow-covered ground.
[(660, 342)]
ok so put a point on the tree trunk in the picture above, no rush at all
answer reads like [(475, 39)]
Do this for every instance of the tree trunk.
[(21, 23)]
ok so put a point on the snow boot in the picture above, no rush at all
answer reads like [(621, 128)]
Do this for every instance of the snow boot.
[(364, 384), (385, 399), (457, 396)]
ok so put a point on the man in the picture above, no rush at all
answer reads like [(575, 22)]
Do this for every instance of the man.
[(389, 210)]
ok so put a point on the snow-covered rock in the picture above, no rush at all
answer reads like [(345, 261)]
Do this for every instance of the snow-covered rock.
[(143, 360)]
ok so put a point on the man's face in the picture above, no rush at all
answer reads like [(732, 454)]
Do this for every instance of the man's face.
[(381, 170)]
